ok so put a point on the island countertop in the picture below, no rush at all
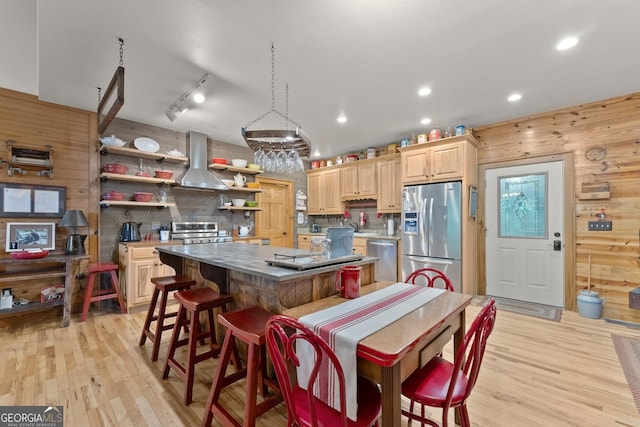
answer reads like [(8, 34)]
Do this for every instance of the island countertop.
[(250, 259)]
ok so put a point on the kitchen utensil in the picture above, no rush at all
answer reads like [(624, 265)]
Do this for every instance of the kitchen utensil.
[(130, 232), (162, 196), (315, 228), (239, 180), (163, 174), (112, 141), (146, 144), (239, 163), (219, 161), (244, 230), (253, 185), (253, 166), (251, 203), (175, 152), (142, 197), (164, 235), (228, 182), (348, 281), (29, 254), (142, 170), (113, 195), (319, 248), (238, 203), (115, 168)]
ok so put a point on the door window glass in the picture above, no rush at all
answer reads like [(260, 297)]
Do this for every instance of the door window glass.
[(523, 206)]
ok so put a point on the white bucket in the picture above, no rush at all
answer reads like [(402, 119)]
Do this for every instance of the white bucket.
[(590, 304)]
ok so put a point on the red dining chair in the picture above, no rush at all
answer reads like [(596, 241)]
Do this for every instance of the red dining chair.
[(445, 385), (432, 276), (283, 333)]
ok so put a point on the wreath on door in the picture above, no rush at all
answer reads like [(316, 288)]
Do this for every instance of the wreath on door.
[(521, 206)]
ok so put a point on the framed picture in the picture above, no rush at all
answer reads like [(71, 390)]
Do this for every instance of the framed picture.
[(473, 201), (18, 200), (24, 236)]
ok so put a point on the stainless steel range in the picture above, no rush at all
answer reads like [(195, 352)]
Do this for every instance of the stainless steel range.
[(198, 232)]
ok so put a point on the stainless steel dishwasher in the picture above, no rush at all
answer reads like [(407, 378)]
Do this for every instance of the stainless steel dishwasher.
[(387, 253)]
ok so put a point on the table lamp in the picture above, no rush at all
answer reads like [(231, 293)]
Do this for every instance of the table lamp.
[(75, 241)]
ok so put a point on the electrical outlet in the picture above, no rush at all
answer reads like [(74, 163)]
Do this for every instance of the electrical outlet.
[(600, 225), (155, 226)]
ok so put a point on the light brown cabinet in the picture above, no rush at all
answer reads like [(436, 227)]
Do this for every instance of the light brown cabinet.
[(139, 263), (389, 185), (360, 246), (323, 192), (440, 161), (358, 181), (304, 241)]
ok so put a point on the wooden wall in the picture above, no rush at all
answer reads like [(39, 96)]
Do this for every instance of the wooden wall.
[(613, 125), (34, 124)]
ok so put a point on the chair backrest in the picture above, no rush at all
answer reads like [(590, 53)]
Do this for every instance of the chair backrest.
[(283, 335), (471, 351), (432, 277)]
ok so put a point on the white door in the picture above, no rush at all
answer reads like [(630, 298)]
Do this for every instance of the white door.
[(524, 220)]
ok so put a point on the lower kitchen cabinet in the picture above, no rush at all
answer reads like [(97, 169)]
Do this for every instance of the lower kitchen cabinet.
[(360, 246), (139, 263)]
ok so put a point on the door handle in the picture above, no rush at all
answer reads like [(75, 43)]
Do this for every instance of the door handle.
[(380, 243)]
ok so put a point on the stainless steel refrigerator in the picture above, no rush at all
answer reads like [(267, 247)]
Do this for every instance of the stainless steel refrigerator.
[(431, 229)]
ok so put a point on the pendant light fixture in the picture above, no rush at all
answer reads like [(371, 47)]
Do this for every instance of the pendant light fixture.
[(277, 140)]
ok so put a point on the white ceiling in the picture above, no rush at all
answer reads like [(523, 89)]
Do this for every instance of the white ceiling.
[(362, 58)]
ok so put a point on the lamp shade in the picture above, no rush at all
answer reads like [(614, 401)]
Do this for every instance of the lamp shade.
[(73, 218)]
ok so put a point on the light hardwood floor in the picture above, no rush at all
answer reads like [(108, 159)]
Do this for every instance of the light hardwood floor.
[(535, 373)]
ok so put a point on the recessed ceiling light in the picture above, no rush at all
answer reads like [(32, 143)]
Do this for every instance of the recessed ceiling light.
[(198, 97), (341, 119), (424, 91), (425, 121), (567, 43), (514, 97)]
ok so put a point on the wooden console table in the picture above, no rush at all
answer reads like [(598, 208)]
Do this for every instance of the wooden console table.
[(34, 269)]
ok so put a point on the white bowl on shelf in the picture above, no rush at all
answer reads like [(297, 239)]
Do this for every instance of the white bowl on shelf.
[(239, 163), (238, 203), (228, 182)]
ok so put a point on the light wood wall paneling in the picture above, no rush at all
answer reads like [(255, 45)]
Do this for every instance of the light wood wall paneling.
[(34, 123), (614, 125)]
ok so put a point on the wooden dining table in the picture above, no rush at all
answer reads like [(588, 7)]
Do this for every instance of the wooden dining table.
[(391, 354)]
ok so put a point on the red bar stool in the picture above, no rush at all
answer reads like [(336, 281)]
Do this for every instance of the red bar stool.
[(163, 285), (247, 325), (194, 301), (95, 270)]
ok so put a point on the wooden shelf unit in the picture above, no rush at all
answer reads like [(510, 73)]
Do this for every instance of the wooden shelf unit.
[(134, 152)]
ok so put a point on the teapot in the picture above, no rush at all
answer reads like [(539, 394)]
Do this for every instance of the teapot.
[(130, 232), (244, 230), (240, 180)]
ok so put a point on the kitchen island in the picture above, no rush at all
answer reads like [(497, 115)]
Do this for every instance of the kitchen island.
[(242, 271)]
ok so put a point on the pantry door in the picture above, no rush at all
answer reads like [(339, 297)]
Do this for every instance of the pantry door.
[(524, 217), (275, 219)]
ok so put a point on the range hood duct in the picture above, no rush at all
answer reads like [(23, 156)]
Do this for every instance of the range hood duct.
[(198, 176)]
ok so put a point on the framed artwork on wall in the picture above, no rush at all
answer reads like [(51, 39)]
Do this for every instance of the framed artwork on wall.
[(18, 200), (25, 236)]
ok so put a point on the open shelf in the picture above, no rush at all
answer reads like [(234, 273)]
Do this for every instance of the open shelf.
[(106, 176), (30, 307), (245, 189), (220, 167), (234, 208), (134, 152), (107, 203)]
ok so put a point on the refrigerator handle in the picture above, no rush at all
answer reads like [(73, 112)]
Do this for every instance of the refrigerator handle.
[(429, 260), (430, 231)]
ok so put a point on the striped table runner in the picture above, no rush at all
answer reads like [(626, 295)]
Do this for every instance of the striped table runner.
[(344, 325)]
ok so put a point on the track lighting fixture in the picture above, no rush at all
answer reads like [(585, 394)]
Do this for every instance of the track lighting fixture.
[(186, 101)]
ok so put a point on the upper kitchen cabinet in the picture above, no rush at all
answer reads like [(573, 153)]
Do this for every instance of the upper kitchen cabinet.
[(439, 161), (389, 185), (358, 181), (323, 192)]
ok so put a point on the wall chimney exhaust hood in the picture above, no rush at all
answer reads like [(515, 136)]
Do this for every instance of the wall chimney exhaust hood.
[(198, 175)]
